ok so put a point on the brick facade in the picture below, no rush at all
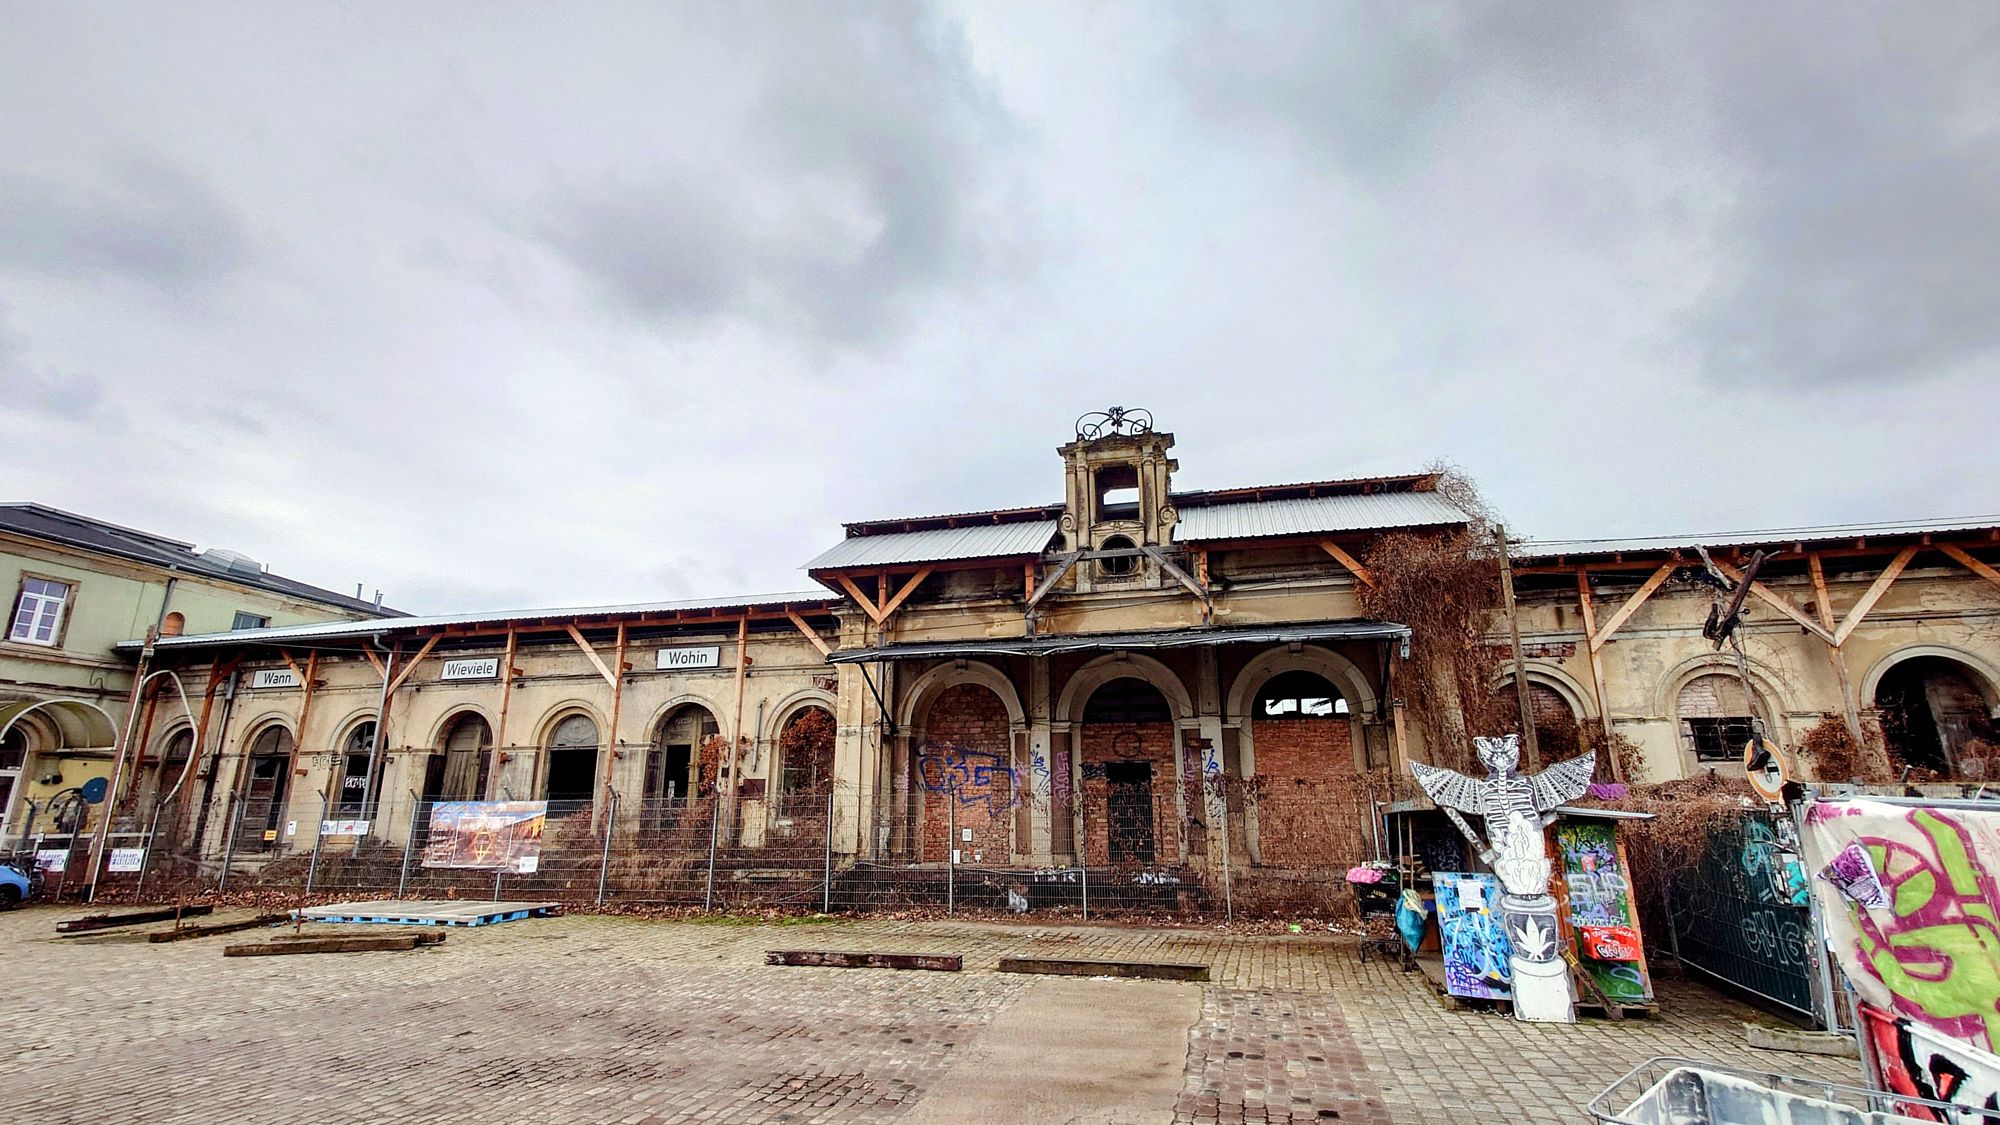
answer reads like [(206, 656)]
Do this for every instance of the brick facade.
[(1105, 747), (1311, 811), (965, 757)]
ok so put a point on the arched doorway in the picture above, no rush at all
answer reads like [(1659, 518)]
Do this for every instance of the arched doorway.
[(1128, 774), (1935, 719), (457, 770), (1308, 815), (805, 752), (163, 770), (1558, 729), (356, 793), (13, 757), (682, 763), (963, 768), (571, 780), (266, 782)]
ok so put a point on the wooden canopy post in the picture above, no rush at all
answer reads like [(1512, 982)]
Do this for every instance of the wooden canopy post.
[(507, 671), (1596, 670), (1850, 710), (735, 759), (1514, 642)]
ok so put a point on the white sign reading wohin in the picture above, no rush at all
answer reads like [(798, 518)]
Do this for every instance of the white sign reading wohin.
[(274, 678), (698, 656), (472, 668)]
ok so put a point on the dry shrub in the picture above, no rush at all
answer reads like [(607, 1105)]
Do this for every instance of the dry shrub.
[(1666, 849), (1834, 754), (1978, 760), (1446, 587), (806, 744)]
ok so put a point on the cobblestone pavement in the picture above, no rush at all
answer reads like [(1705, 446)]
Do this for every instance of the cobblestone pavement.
[(625, 1020)]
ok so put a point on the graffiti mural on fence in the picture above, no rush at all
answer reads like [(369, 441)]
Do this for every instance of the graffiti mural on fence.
[(1917, 1061), (1600, 910), (975, 777), (1933, 953), (1770, 865), (1475, 945)]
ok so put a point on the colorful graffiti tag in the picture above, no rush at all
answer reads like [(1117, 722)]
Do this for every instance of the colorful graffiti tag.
[(1600, 910), (1475, 946), (1918, 1062), (972, 777)]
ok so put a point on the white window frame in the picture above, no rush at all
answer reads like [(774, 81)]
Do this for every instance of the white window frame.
[(28, 619), (263, 620)]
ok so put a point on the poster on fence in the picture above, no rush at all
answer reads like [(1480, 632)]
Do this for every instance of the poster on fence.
[(487, 835), (1475, 946), (52, 860), (1601, 918), (125, 860)]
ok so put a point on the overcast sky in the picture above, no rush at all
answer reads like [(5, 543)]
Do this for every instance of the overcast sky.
[(503, 306)]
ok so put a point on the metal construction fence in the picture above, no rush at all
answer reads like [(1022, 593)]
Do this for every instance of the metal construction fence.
[(1159, 854), (1735, 919)]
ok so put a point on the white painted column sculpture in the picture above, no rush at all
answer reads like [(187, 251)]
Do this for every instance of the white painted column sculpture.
[(1515, 809)]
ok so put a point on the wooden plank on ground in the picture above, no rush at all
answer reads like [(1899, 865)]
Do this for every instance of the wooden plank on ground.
[(1136, 970), (186, 932), (835, 959), (365, 944), (135, 918)]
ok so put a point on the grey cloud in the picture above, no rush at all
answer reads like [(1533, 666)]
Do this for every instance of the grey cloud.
[(45, 393), (1826, 181), (853, 186), (143, 221)]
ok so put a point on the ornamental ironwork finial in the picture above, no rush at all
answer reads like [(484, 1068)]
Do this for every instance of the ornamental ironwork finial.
[(1117, 421)]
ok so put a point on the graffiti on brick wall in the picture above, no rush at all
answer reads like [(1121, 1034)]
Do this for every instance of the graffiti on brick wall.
[(1931, 953), (974, 777), (1918, 1062)]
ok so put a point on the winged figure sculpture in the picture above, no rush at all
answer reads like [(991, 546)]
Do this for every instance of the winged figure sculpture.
[(1505, 795)]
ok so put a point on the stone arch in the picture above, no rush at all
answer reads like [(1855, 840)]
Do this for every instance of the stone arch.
[(1553, 677), (683, 761), (965, 767), (665, 712), (818, 770), (451, 715), (794, 703), (559, 776), (925, 689), (1338, 670), (1763, 678), (1985, 676), (1085, 681), (554, 716)]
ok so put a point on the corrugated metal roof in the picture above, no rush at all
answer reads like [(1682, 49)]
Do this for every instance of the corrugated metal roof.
[(339, 629), (1550, 548), (1262, 519), (939, 545), (1091, 642)]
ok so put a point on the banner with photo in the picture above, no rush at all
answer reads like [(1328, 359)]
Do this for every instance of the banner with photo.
[(486, 835)]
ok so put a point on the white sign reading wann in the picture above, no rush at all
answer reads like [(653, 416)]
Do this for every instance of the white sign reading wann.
[(274, 678), (471, 668), (699, 656)]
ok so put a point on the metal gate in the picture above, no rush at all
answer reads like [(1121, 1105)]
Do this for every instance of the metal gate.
[(1735, 918)]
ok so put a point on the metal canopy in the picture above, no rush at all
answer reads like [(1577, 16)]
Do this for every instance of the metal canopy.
[(1092, 642)]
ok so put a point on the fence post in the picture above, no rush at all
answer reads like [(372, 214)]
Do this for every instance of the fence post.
[(714, 815), (146, 858), (1228, 907), (826, 894), (409, 842), (951, 846), (228, 846), (1083, 852), (604, 860), (319, 833)]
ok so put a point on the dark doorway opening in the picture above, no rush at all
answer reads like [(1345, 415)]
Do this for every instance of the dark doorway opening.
[(264, 801), (1128, 811), (1934, 718), (572, 774), (674, 772)]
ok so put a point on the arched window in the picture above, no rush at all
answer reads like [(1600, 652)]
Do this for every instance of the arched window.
[(357, 788), (161, 772), (173, 625), (572, 774), (1934, 718), (1715, 716), (806, 748), (1123, 564), (1127, 699), (1298, 695), (682, 761)]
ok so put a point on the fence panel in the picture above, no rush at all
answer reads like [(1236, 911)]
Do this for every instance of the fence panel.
[(1733, 920)]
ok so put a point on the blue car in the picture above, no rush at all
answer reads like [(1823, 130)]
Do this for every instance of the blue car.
[(17, 883)]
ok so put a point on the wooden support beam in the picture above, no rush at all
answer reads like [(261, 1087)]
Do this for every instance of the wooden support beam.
[(807, 632), (92, 922), (1179, 575), (293, 665), (1823, 604), (1596, 669), (414, 661), (1349, 561), (1028, 580), (1873, 594), (305, 712), (1959, 555), (1632, 604), (1778, 602), (596, 661), (1052, 581), (500, 729), (866, 603), (909, 588), (837, 959), (617, 705), (376, 661)]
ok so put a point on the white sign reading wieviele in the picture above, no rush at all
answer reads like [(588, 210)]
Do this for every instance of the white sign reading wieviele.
[(697, 656), (471, 668), (274, 678)]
